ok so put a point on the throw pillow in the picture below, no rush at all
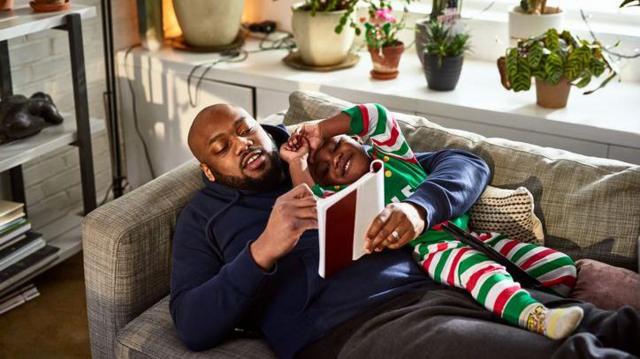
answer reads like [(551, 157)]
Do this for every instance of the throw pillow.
[(508, 212), (606, 286)]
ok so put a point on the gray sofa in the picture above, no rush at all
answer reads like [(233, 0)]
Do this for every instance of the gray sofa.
[(590, 208)]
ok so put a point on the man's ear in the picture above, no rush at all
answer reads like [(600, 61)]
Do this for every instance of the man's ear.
[(207, 172)]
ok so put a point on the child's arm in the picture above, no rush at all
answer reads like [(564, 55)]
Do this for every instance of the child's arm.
[(371, 122)]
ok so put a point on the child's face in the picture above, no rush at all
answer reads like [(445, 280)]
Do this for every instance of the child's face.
[(339, 160)]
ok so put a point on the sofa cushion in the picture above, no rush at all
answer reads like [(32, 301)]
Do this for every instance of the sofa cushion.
[(152, 335), (606, 286), (589, 207)]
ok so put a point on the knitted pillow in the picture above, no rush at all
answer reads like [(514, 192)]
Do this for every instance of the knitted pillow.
[(508, 212)]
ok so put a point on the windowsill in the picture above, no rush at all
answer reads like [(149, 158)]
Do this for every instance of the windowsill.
[(609, 116)]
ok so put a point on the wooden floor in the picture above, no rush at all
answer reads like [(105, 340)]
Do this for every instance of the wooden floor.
[(54, 325)]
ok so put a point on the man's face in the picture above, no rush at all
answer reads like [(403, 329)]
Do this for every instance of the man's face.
[(237, 152), (339, 160)]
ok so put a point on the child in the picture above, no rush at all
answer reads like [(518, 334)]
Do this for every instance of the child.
[(340, 160)]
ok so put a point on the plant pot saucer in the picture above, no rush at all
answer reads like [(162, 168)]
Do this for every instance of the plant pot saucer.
[(179, 43), (384, 75), (294, 60), (38, 7)]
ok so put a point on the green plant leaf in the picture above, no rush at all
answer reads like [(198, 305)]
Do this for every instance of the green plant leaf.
[(553, 68), (536, 52), (552, 40), (577, 62), (584, 81)]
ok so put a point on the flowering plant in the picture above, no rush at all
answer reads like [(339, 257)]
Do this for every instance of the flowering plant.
[(381, 29)]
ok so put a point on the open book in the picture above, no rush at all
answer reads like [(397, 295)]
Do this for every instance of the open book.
[(344, 218)]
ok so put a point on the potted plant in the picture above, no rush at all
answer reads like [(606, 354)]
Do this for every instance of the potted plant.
[(533, 17), (447, 11), (557, 61), (443, 55), (380, 33), (6, 5), (318, 30), (207, 23)]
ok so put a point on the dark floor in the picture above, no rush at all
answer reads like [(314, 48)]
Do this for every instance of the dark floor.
[(54, 325)]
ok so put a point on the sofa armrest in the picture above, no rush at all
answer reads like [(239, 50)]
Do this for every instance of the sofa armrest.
[(127, 253)]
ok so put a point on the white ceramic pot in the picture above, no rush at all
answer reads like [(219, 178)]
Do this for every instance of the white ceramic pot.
[(208, 23), (317, 42), (524, 26)]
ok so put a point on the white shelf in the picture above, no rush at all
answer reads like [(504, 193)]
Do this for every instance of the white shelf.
[(49, 139), (608, 116), (23, 21)]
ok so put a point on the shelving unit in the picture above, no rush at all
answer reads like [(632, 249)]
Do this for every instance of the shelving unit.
[(76, 130)]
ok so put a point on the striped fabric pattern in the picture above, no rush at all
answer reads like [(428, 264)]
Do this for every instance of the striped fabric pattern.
[(453, 263), (374, 122)]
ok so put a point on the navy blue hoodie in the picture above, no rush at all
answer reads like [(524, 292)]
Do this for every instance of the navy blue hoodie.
[(216, 286)]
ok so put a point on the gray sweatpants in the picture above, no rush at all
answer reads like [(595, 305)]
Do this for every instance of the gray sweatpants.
[(447, 323)]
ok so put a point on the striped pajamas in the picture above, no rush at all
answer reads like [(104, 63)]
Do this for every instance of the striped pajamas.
[(454, 263), (445, 259)]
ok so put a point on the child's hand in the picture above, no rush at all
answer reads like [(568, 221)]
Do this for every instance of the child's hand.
[(312, 132), (296, 149)]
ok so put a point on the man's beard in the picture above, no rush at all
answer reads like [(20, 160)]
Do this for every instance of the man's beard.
[(270, 180)]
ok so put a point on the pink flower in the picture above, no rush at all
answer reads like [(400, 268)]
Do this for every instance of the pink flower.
[(383, 15)]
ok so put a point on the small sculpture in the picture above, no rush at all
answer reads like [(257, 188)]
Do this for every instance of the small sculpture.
[(23, 117)]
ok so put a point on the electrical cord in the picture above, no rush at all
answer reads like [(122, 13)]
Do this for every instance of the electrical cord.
[(237, 55), (135, 116)]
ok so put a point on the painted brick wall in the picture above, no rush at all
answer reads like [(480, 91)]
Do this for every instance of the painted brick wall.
[(40, 62)]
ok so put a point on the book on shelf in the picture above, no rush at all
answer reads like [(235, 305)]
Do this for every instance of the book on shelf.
[(10, 211), (18, 297), (20, 249), (12, 224), (29, 265), (344, 218)]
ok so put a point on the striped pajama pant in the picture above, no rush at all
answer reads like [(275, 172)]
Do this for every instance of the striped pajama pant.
[(456, 264)]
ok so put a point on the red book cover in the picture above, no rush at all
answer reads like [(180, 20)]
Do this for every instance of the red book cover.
[(344, 218)]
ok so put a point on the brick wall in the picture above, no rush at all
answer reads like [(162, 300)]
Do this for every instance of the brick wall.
[(40, 62)]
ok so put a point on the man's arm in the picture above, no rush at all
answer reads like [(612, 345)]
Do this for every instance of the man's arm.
[(211, 295), (208, 297), (455, 181)]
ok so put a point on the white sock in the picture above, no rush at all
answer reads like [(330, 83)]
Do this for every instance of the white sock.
[(552, 323)]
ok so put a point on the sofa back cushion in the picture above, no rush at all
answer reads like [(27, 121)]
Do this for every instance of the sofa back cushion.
[(589, 207)]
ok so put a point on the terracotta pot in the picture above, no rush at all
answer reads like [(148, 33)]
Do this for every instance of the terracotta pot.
[(49, 6), (6, 5), (386, 61), (317, 42), (552, 96), (207, 23)]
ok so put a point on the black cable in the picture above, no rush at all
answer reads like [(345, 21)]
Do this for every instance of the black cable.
[(135, 115), (234, 56)]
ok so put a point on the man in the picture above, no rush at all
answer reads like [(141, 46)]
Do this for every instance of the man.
[(245, 255)]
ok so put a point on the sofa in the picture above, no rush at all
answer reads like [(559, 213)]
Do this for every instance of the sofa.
[(589, 208)]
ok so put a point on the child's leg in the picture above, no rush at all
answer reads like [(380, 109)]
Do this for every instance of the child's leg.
[(553, 269), (452, 263)]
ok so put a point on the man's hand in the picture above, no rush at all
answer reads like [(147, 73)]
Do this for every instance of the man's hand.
[(293, 213), (395, 226)]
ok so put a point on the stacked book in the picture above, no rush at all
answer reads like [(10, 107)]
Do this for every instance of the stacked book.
[(22, 251)]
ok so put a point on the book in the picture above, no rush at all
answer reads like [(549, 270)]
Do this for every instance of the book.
[(19, 250), (345, 217), (10, 211), (18, 298), (27, 267), (14, 229), (13, 241)]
